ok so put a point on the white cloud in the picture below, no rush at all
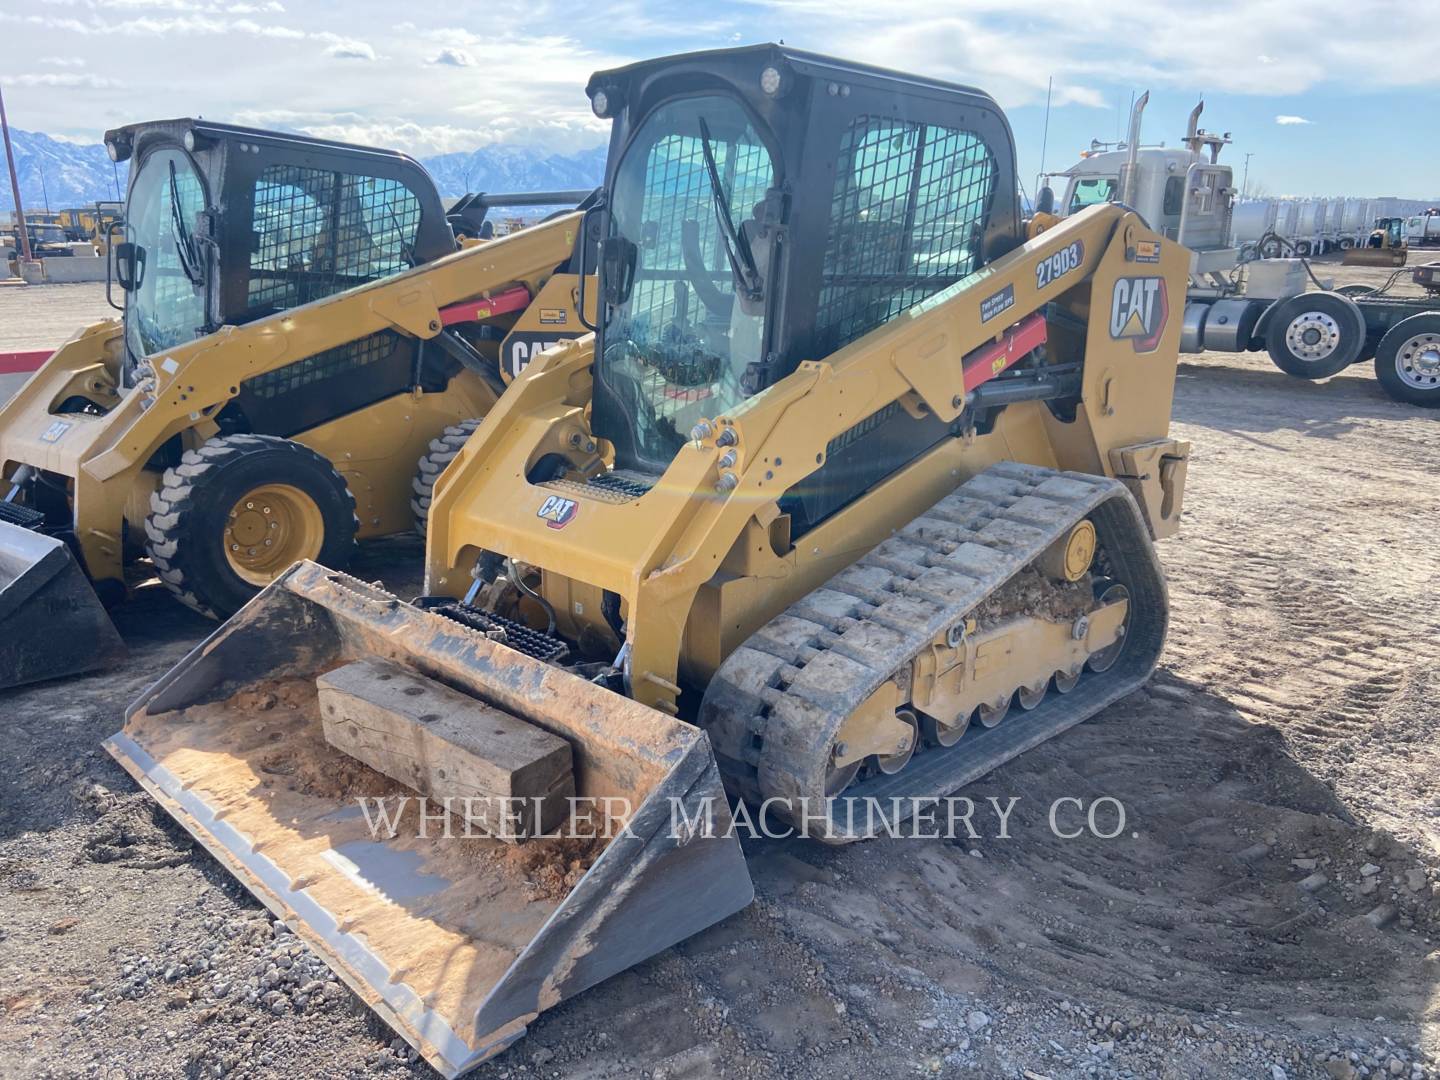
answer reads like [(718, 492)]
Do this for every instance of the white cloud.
[(66, 79), (1286, 120), (1011, 47), (351, 50), (63, 61), (453, 58)]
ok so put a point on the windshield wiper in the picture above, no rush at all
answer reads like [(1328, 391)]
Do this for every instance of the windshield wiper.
[(742, 261), (184, 246)]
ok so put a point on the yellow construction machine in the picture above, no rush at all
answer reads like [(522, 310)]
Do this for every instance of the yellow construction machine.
[(850, 498), (270, 387), (1385, 246)]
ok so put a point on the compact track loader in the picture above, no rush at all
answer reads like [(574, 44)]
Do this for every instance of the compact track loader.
[(269, 390), (850, 498)]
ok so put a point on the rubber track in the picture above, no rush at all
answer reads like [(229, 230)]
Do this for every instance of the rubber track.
[(443, 449), (775, 706), (171, 502)]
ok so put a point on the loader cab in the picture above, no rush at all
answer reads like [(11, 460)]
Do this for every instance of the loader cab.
[(225, 225), (764, 207)]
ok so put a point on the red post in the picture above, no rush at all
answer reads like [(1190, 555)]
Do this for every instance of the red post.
[(22, 232)]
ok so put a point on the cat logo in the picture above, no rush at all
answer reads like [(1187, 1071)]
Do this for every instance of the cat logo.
[(521, 347), (557, 512), (1139, 309)]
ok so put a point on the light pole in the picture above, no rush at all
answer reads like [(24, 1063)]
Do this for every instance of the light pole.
[(1245, 177), (22, 233)]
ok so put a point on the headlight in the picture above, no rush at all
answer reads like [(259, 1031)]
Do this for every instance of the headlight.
[(189, 140), (600, 103), (770, 81)]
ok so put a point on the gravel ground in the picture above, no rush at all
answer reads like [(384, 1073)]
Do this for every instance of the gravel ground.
[(1270, 909), (42, 316)]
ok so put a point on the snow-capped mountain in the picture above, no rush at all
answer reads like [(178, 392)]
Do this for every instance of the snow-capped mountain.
[(61, 174)]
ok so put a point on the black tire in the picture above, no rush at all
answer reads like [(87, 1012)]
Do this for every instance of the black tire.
[(1408, 341), (443, 449), (1335, 319), (1346, 243), (1272, 248), (189, 514), (1302, 248)]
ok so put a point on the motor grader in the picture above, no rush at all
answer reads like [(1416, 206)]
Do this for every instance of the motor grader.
[(268, 392), (849, 498)]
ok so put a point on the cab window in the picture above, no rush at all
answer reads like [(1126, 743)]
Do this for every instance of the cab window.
[(1091, 191), (1174, 196)]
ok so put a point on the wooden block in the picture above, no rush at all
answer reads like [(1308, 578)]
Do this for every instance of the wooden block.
[(446, 744)]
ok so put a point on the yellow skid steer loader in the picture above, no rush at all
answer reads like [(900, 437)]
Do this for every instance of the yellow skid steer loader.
[(850, 498), (269, 390)]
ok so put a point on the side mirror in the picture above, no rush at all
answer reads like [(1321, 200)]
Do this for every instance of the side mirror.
[(1045, 200), (129, 265), (617, 269)]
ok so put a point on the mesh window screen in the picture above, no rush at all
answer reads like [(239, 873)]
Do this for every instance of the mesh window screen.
[(320, 232), (906, 220)]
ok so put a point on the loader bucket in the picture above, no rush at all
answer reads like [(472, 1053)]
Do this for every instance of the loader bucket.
[(1368, 256), (456, 942), (51, 621)]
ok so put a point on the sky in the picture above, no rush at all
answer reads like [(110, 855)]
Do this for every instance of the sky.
[(1313, 90)]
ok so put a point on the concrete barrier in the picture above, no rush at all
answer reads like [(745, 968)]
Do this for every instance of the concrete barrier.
[(65, 269)]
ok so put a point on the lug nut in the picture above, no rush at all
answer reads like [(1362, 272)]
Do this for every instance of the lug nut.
[(1080, 628)]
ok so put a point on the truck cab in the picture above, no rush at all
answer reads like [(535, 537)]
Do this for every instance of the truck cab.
[(1182, 192)]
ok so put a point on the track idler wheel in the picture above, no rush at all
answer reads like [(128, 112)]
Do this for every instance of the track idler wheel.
[(991, 714), (890, 764), (938, 734), (1104, 659)]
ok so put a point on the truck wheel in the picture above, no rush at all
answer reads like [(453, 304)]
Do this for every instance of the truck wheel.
[(1346, 243), (1314, 335), (1302, 248), (239, 511), (443, 449), (1407, 360), (1271, 248)]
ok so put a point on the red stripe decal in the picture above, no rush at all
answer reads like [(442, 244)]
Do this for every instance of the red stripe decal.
[(516, 299), (22, 363), (1019, 341)]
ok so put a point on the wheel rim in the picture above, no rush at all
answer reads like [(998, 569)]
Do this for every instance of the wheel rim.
[(270, 528), (1417, 362), (1104, 659), (890, 764), (1312, 336)]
